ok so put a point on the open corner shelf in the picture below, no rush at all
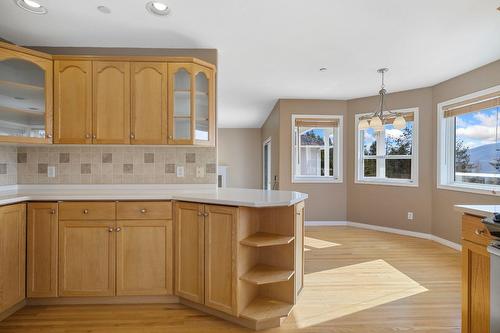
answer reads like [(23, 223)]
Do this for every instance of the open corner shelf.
[(261, 239), (264, 274), (263, 308)]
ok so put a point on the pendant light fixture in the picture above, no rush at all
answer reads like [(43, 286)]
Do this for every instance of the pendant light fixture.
[(379, 118)]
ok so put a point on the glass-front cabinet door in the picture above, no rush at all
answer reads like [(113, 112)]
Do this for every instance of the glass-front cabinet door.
[(25, 97), (191, 104)]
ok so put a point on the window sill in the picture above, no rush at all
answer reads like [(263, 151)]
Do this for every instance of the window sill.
[(317, 180), (469, 189), (386, 183)]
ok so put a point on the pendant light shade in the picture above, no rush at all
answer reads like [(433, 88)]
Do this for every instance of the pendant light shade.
[(376, 123), (363, 124), (399, 123)]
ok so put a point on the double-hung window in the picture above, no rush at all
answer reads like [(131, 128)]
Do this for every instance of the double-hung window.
[(388, 156), (316, 149), (469, 142)]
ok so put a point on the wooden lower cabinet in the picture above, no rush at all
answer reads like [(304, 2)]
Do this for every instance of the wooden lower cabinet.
[(12, 255), (87, 258), (144, 257), (189, 251), (475, 276), (42, 247)]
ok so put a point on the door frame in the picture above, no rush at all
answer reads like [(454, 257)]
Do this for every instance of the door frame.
[(267, 142)]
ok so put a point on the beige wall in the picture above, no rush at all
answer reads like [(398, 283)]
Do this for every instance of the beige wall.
[(240, 149), (326, 202), (446, 221), (271, 130), (388, 205)]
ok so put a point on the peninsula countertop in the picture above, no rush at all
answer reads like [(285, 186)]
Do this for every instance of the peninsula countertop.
[(220, 196), (478, 210)]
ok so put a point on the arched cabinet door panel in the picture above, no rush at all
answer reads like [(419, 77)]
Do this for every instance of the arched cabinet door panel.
[(72, 102), (180, 121), (204, 105), (111, 109), (26, 103)]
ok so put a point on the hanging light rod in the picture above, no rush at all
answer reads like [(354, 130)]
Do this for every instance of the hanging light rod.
[(379, 118)]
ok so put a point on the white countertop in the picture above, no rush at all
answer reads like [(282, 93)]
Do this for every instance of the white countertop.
[(479, 210), (226, 196)]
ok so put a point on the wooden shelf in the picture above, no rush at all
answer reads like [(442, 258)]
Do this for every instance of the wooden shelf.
[(263, 308), (263, 274), (261, 239)]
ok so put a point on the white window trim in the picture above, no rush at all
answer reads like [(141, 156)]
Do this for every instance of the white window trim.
[(413, 182), (445, 159), (337, 145), (270, 183)]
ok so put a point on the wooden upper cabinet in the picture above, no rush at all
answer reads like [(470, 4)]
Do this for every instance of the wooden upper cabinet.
[(72, 102), (12, 255), (42, 249), (189, 251), (220, 258), (111, 110), (148, 103), (191, 104), (26, 88)]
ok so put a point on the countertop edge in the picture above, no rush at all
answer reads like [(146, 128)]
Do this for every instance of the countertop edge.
[(478, 210)]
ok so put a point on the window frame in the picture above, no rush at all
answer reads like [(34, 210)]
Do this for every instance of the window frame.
[(359, 151), (338, 159), (445, 159)]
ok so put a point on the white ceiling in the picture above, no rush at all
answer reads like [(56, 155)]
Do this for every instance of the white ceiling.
[(270, 49)]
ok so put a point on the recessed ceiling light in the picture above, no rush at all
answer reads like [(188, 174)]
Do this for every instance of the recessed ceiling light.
[(323, 69), (31, 6), (157, 8), (33, 108), (104, 9), (19, 98)]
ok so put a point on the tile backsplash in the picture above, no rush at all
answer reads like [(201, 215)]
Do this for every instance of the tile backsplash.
[(8, 165), (107, 165)]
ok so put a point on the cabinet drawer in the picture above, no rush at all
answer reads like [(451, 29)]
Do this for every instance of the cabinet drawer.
[(87, 211), (144, 210), (474, 230)]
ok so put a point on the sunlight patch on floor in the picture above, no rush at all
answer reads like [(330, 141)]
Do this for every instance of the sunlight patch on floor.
[(338, 292), (318, 243)]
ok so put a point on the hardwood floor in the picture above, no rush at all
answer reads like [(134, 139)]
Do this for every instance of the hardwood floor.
[(355, 281)]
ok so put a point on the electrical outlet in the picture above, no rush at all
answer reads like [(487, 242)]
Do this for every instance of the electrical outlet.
[(51, 171), (180, 171), (200, 172), (410, 215)]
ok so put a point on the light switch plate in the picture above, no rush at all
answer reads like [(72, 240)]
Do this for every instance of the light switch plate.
[(200, 172), (180, 171), (51, 171)]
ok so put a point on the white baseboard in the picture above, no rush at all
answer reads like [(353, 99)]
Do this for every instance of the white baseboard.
[(422, 235)]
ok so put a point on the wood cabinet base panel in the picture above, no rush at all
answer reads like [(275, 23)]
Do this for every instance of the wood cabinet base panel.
[(104, 300), (12, 310)]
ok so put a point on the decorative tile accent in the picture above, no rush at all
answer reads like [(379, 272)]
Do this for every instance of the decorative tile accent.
[(190, 158), (42, 168), (107, 157), (3, 168), (169, 168), (85, 168), (128, 168), (63, 157), (22, 157), (211, 168), (149, 157)]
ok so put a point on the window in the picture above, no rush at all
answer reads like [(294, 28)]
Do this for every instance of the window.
[(388, 156), (317, 149), (266, 164), (469, 142)]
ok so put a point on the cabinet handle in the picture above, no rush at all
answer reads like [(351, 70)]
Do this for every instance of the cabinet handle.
[(110, 229), (85, 211), (144, 211), (118, 229), (479, 232), (88, 136), (52, 211), (132, 136)]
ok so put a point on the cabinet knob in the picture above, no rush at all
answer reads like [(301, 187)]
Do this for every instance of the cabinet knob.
[(205, 214), (94, 136), (132, 136), (144, 211), (88, 136), (118, 229), (110, 229), (298, 213), (170, 137), (479, 232), (52, 211), (49, 136), (200, 214), (85, 211)]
